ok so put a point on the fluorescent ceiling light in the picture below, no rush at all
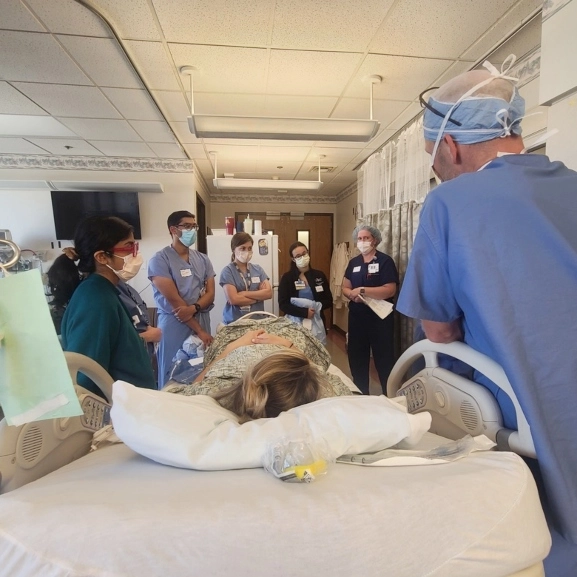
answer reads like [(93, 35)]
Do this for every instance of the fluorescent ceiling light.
[(266, 184), (275, 128), (265, 127)]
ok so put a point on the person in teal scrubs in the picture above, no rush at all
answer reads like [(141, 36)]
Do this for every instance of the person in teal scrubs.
[(95, 322)]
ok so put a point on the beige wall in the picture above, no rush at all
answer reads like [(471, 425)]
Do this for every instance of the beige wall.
[(346, 221), (219, 210)]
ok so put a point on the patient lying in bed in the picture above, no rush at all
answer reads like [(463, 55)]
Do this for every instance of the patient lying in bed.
[(262, 373)]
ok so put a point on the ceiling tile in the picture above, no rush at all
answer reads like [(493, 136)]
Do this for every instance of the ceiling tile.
[(165, 150), (403, 78), (234, 166), (383, 110), (411, 26), (299, 106), (153, 131), (58, 146), (154, 65), (319, 25), (310, 73), (65, 100), (380, 139), (332, 156), (131, 19), (454, 70), (92, 129), (271, 168), (103, 60), (133, 104), (130, 149), (173, 104), (20, 125), (242, 22), (19, 146), (405, 116), (14, 102), (223, 68), (16, 17), (284, 153), (69, 17), (229, 104), (226, 152), (502, 28), (34, 57)]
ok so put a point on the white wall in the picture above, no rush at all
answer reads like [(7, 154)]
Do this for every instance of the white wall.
[(28, 213), (563, 145)]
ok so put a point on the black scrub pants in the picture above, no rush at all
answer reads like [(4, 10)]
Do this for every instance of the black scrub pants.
[(368, 332)]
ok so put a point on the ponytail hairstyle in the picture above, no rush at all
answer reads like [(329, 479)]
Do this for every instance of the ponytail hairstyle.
[(92, 234), (239, 239), (277, 383)]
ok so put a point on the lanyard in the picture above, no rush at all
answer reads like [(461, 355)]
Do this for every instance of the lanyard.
[(246, 286)]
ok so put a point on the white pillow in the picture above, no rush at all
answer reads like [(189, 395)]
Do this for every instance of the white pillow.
[(197, 433)]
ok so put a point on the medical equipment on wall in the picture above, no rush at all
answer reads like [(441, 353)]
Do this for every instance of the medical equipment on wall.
[(11, 255), (32, 450), (459, 406)]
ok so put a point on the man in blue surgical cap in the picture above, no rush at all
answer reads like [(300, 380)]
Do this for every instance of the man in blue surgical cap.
[(495, 264)]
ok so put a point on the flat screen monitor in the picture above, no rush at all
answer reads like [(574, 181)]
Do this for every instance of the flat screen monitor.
[(71, 207)]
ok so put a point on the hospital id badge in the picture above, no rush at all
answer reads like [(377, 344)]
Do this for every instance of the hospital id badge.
[(185, 272), (245, 309), (300, 284), (255, 280), (319, 288), (374, 268)]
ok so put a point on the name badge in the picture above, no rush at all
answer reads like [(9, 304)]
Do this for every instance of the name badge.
[(245, 309), (374, 268), (357, 269), (185, 272), (300, 284), (255, 279), (319, 288)]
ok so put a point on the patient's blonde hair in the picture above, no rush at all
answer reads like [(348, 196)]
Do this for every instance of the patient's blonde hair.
[(276, 384)]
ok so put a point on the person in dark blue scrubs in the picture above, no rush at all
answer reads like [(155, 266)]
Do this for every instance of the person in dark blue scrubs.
[(370, 274)]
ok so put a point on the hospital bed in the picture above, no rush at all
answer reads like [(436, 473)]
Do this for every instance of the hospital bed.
[(115, 513)]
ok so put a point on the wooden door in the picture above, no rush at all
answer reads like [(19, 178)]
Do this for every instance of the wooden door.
[(320, 234), (201, 221)]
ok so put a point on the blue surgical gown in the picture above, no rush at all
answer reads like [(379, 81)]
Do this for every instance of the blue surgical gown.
[(190, 279), (498, 249)]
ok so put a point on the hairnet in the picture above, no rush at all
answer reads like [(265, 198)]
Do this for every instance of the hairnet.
[(492, 110), (375, 232)]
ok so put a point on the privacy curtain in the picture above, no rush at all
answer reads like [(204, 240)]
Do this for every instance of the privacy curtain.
[(392, 186)]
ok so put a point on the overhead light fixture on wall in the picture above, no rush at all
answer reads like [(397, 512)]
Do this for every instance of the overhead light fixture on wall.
[(278, 128), (231, 183)]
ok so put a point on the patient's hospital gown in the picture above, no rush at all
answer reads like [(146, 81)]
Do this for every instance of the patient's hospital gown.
[(498, 249)]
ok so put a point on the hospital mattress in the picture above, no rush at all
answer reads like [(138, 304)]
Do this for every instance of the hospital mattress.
[(115, 513)]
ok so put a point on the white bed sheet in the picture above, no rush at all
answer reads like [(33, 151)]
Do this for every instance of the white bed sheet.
[(115, 513)]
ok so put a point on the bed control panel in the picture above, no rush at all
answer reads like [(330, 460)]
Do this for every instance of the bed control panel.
[(415, 394), (96, 412)]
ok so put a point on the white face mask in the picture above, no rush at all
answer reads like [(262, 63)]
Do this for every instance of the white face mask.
[(243, 256), (303, 261), (365, 246), (130, 267)]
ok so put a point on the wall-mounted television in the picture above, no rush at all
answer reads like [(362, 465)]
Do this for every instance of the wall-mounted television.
[(70, 207)]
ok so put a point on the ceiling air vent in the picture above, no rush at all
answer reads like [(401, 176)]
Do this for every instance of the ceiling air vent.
[(323, 169)]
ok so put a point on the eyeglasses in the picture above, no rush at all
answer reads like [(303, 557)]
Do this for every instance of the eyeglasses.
[(125, 250), (434, 110), (187, 226), (301, 254)]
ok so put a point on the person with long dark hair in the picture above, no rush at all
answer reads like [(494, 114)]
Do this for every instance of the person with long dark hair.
[(302, 281), (83, 282)]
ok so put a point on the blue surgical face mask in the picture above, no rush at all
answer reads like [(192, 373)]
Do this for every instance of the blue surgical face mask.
[(188, 237)]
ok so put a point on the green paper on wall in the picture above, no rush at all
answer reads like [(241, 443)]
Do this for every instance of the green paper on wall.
[(34, 380)]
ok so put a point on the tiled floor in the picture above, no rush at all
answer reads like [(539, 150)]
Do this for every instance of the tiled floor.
[(337, 350)]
